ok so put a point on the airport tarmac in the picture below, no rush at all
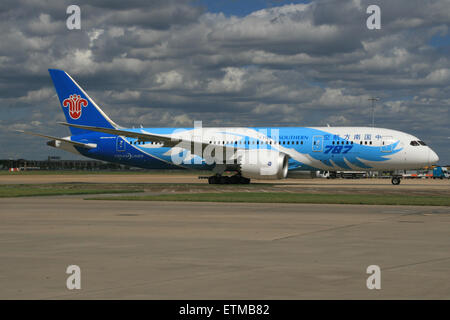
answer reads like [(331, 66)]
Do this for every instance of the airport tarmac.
[(167, 250), (172, 183)]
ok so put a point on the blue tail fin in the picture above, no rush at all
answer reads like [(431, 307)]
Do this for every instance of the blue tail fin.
[(77, 106)]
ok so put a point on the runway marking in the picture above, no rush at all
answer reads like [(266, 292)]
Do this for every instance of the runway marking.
[(318, 231), (379, 220), (416, 263), (157, 282)]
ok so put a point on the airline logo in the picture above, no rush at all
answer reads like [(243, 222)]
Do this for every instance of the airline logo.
[(75, 102)]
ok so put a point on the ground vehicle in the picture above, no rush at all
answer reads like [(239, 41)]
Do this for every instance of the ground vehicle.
[(440, 173), (342, 174)]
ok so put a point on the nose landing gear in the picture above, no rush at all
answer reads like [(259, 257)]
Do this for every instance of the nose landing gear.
[(396, 181)]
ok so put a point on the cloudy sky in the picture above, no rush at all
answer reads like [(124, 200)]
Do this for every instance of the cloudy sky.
[(227, 63)]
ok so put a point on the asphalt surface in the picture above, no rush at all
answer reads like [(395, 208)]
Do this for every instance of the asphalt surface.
[(167, 250)]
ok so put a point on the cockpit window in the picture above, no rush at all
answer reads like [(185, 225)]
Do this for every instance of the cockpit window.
[(414, 143), (422, 143)]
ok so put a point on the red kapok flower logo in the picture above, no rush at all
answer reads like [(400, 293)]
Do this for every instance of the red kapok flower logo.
[(74, 102)]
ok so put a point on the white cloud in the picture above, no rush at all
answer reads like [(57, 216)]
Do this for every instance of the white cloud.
[(38, 96), (336, 98), (438, 76), (298, 64), (169, 80), (232, 81), (95, 33)]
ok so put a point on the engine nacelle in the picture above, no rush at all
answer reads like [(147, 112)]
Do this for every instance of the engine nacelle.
[(263, 164)]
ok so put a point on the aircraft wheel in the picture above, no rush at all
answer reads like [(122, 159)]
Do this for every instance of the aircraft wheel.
[(214, 180), (245, 180), (395, 181), (224, 180), (235, 179)]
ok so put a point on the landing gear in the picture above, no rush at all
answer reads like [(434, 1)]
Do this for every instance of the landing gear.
[(395, 181), (236, 179)]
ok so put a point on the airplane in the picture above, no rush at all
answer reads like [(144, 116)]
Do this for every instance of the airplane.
[(249, 152)]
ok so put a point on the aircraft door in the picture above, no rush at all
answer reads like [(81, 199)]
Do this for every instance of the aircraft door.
[(386, 144), (120, 144), (317, 143)]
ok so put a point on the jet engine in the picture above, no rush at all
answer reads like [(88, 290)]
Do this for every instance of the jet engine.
[(263, 164)]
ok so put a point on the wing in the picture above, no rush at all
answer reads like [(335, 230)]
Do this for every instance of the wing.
[(195, 147), (168, 140)]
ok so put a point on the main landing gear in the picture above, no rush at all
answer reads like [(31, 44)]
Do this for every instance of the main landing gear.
[(396, 181), (236, 179)]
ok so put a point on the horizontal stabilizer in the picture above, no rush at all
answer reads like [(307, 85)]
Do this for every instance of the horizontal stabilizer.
[(75, 143)]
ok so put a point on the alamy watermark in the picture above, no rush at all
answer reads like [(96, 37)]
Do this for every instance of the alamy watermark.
[(228, 146), (374, 20), (73, 281), (73, 21), (374, 280)]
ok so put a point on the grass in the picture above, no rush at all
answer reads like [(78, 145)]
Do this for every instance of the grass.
[(278, 197), (89, 172), (31, 190)]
